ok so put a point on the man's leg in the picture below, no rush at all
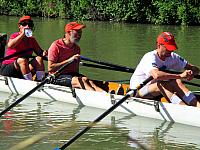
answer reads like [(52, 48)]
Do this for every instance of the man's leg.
[(11, 71), (169, 91), (149, 91), (186, 94), (156, 89), (22, 65), (37, 66), (96, 88), (80, 82)]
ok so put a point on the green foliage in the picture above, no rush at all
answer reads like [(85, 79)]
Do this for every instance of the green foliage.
[(167, 12), (180, 12)]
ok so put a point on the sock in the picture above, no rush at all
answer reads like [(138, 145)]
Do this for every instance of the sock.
[(175, 99), (188, 97), (39, 75), (143, 91), (28, 76)]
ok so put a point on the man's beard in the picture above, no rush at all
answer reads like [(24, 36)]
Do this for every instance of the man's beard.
[(75, 41)]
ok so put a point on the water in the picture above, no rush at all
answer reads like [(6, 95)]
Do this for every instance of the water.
[(35, 116), (117, 43)]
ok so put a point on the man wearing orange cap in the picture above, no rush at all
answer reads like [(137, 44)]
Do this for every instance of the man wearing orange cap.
[(64, 50), (169, 85), (21, 45)]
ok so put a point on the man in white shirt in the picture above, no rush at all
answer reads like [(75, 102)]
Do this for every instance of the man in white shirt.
[(169, 85)]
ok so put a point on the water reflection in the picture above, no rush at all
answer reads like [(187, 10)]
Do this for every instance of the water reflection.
[(35, 116)]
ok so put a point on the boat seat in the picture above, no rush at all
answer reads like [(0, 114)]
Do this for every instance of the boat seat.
[(112, 87)]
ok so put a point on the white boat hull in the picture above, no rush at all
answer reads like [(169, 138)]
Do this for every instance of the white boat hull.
[(142, 107)]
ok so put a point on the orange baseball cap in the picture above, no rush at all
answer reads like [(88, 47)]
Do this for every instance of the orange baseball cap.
[(73, 26), (167, 39), (25, 18)]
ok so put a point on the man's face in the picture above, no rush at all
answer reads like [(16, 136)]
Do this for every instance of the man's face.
[(26, 24), (75, 36), (164, 52)]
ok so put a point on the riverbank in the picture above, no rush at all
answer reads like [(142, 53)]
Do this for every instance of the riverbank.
[(133, 11)]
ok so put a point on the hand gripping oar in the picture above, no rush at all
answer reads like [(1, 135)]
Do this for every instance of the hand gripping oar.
[(52, 76), (108, 64), (78, 134), (176, 72)]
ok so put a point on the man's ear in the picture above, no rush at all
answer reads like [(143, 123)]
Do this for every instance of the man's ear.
[(158, 45)]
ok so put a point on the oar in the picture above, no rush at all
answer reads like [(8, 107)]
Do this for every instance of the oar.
[(119, 67), (43, 57), (19, 53), (78, 134), (107, 64), (13, 55), (177, 72), (107, 67), (50, 77), (126, 69)]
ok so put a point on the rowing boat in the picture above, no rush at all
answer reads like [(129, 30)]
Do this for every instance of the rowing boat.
[(142, 107)]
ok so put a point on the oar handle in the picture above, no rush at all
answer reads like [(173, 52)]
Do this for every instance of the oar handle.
[(176, 72)]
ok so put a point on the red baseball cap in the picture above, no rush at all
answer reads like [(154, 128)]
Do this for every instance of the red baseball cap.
[(73, 26), (25, 18), (167, 39)]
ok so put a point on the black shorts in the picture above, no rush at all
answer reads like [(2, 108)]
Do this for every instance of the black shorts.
[(66, 79), (10, 70)]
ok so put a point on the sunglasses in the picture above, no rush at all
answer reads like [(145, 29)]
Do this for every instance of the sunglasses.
[(78, 31), (29, 23)]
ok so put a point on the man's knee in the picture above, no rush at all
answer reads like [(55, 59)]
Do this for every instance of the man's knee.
[(22, 61), (84, 78), (39, 59)]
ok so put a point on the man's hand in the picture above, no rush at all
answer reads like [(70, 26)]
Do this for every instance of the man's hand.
[(74, 57), (187, 74), (45, 53)]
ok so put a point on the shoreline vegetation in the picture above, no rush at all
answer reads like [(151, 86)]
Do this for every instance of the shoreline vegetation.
[(168, 12)]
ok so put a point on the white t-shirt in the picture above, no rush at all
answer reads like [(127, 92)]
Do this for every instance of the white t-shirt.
[(150, 61)]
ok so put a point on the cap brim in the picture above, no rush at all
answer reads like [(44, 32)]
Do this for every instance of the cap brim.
[(171, 47), (78, 27), (24, 18)]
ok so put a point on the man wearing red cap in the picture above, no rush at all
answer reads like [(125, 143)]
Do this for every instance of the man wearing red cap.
[(21, 45), (169, 85), (64, 50)]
